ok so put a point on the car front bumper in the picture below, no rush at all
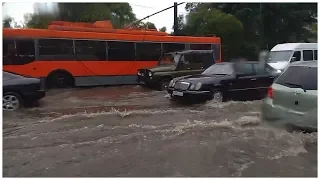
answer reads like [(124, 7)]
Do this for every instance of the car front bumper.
[(142, 80), (188, 94), (34, 96)]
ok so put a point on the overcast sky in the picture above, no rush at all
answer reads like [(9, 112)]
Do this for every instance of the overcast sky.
[(140, 8)]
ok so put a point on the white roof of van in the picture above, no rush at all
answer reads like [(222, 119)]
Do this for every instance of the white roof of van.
[(293, 46)]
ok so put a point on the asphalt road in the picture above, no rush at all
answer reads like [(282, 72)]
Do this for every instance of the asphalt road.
[(136, 132)]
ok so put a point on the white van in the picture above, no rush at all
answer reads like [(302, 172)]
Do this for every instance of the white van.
[(282, 55)]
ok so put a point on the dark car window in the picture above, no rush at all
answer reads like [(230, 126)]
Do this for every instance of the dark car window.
[(299, 75), (244, 68), (261, 69), (219, 69), (315, 54), (296, 56), (307, 55)]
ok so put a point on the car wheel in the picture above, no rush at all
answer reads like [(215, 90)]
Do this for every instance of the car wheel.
[(164, 84), (11, 101), (217, 96)]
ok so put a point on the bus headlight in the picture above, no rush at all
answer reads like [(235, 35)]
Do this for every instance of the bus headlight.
[(198, 86)]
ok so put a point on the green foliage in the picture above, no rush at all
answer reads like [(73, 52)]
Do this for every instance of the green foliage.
[(40, 21), (119, 14), (213, 21), (6, 23), (163, 29), (147, 25), (265, 24)]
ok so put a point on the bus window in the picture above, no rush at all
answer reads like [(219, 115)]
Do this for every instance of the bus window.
[(121, 51), (25, 51), (90, 50), (9, 51), (172, 47), (55, 49), (200, 46), (216, 49), (148, 51)]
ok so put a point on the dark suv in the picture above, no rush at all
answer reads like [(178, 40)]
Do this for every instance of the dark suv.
[(175, 64)]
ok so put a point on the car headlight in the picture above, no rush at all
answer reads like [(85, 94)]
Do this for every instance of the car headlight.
[(150, 74), (171, 83), (139, 73), (198, 86), (192, 87)]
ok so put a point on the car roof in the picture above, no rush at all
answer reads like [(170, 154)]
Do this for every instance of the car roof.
[(191, 51), (245, 62), (305, 63), (293, 46)]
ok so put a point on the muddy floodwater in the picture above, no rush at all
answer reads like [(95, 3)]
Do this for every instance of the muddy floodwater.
[(132, 131)]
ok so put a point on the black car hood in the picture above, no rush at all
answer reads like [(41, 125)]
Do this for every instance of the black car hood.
[(162, 68), (205, 79)]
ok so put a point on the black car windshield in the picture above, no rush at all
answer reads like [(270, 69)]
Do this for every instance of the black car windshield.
[(169, 59), (223, 69)]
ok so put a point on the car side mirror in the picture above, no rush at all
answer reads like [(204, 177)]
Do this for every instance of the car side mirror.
[(293, 59)]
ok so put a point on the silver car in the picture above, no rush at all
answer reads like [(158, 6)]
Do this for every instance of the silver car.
[(292, 98)]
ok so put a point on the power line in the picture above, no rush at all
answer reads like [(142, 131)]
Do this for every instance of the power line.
[(153, 14), (142, 6)]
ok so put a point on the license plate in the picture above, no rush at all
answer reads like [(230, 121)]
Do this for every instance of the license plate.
[(177, 93)]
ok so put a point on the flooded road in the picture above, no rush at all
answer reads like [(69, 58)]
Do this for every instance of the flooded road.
[(132, 131)]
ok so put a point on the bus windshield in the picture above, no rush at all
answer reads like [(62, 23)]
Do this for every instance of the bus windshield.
[(169, 59)]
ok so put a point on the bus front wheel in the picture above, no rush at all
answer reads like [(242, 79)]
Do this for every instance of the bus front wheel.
[(60, 79)]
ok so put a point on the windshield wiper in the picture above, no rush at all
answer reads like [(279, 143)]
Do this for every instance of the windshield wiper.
[(296, 85), (219, 74)]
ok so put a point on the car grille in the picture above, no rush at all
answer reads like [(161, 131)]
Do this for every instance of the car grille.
[(144, 73), (181, 85)]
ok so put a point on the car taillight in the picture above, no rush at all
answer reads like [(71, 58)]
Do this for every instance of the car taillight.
[(270, 92)]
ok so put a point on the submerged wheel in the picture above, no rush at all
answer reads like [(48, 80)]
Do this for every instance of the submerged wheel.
[(164, 84), (60, 79), (217, 96), (11, 101)]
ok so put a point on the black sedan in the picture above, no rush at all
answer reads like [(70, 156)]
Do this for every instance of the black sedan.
[(19, 91), (225, 81)]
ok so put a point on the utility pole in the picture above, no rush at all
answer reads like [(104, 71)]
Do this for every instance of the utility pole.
[(261, 29), (175, 18)]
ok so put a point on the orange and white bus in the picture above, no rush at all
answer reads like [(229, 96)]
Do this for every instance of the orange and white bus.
[(83, 54)]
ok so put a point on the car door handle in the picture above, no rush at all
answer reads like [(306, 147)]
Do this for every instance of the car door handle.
[(253, 79), (188, 68)]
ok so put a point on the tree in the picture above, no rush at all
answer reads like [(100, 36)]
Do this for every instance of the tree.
[(148, 25), (163, 29), (119, 14), (6, 22), (272, 23), (40, 21), (213, 21)]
